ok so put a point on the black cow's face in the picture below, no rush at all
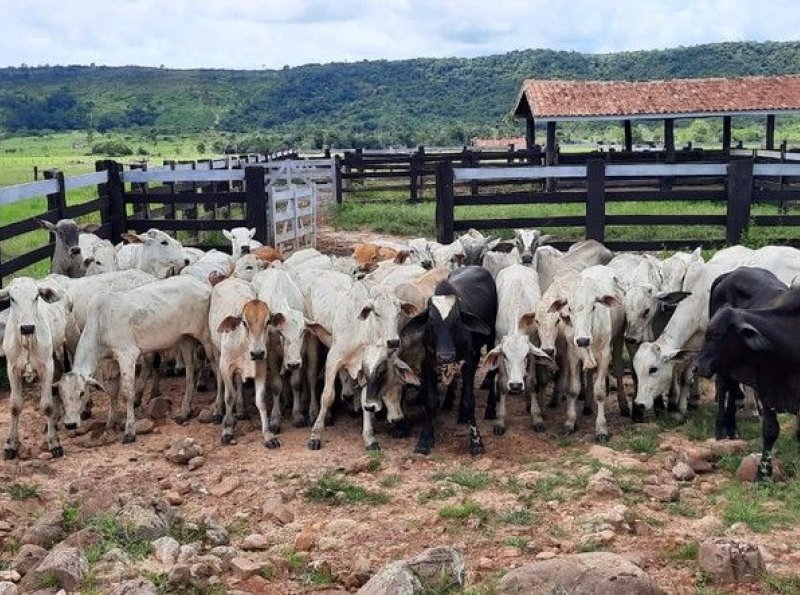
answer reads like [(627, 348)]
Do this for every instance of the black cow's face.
[(730, 338)]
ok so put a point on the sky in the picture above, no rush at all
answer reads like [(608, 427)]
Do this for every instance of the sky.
[(253, 34)]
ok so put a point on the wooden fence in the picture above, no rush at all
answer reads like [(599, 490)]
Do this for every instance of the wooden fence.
[(739, 184), (190, 198)]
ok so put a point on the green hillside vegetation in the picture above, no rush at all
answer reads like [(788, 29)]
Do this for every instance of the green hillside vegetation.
[(369, 103)]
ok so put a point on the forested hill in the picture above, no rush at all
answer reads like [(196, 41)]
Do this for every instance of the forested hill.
[(371, 102)]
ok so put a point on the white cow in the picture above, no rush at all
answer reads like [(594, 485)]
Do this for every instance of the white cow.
[(238, 322), (241, 239), (475, 246), (100, 257), (594, 311), (550, 263), (515, 353), (154, 252), (34, 340), (494, 261), (212, 261), (125, 325), (276, 287)]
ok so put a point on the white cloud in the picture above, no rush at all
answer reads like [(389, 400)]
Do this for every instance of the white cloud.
[(272, 33)]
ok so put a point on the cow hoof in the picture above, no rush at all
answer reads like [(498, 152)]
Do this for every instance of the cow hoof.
[(490, 414), (372, 446), (476, 448), (499, 430), (274, 428), (463, 417), (242, 416), (86, 414), (272, 443), (57, 452), (538, 426), (314, 444), (422, 449), (299, 422), (401, 429), (226, 439), (678, 417), (128, 438), (10, 454), (587, 411), (601, 438)]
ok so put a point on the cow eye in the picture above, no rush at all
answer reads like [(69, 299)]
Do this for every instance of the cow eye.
[(652, 370), (12, 299), (646, 313), (164, 243), (81, 394), (248, 268)]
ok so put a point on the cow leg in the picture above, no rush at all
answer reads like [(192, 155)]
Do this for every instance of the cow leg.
[(127, 380), (296, 383), (535, 410), (573, 388), (240, 409), (500, 419), (155, 388), (328, 396), (694, 390), (619, 373), (468, 405), (491, 399), (48, 407), (311, 369), (632, 348), (112, 386), (276, 388), (600, 390), (770, 429), (726, 392), (11, 449), (219, 400), (146, 369), (558, 381), (186, 350), (270, 441), (449, 398), (750, 406), (228, 419), (684, 386), (431, 404), (368, 430)]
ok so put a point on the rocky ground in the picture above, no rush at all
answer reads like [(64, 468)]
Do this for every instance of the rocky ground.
[(189, 515)]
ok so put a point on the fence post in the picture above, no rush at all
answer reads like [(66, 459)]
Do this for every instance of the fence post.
[(57, 201), (413, 172), (740, 194), (337, 178), (445, 204), (117, 217), (595, 199), (256, 201)]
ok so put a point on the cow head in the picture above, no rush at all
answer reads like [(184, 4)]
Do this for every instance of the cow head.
[(247, 266), (527, 241), (475, 245), (25, 298), (419, 253), (253, 322), (73, 389), (66, 232), (513, 357), (290, 325), (450, 256), (240, 237), (583, 302), (654, 368), (730, 338), (162, 255), (103, 259), (378, 372)]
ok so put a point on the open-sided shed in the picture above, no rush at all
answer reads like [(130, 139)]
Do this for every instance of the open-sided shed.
[(553, 101)]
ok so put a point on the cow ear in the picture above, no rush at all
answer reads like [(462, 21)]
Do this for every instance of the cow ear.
[(90, 228), (545, 239), (49, 294), (537, 352), (365, 312), (319, 331), (88, 261), (278, 320), (401, 256), (672, 299), (416, 324), (228, 235), (475, 324), (5, 294), (752, 337), (229, 324), (610, 301), (556, 306), (46, 224), (215, 277), (566, 318), (252, 232), (503, 246), (94, 383), (526, 320), (678, 355), (490, 362), (409, 309), (131, 238), (405, 373)]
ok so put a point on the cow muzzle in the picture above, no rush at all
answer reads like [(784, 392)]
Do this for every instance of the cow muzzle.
[(393, 343), (426, 264), (515, 388), (75, 250), (445, 358), (583, 341), (71, 426), (638, 413), (258, 355), (27, 329), (527, 259), (245, 250), (293, 366), (372, 407), (631, 340)]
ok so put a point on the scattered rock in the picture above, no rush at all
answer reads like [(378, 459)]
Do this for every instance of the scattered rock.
[(45, 456), (174, 498), (7, 588), (86, 537), (598, 573), (216, 534), (117, 556), (225, 552), (393, 579), (142, 520), (166, 549), (180, 575), (196, 462), (304, 541), (46, 530), (748, 469), (603, 483), (603, 537), (485, 563), (709, 526), (188, 553), (97, 437), (10, 576), (182, 487), (244, 568), (139, 586), (144, 426), (727, 447), (66, 564), (327, 543), (276, 511), (206, 416), (439, 563), (546, 555), (158, 408), (183, 450), (683, 472), (225, 487), (731, 561), (28, 558), (613, 458), (255, 541), (663, 492)]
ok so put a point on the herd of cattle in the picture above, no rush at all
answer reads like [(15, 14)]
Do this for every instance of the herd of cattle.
[(400, 314)]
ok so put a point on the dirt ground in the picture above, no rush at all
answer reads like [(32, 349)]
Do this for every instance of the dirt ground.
[(531, 496)]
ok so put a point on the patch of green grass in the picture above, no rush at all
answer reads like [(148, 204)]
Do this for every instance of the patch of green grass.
[(23, 491), (782, 584), (117, 535), (588, 546), (70, 518), (684, 509), (391, 481), (436, 493), (375, 460), (513, 485), (237, 529), (466, 509), (466, 478), (488, 585), (685, 552), (558, 532), (559, 486), (518, 541), (187, 532), (762, 507), (268, 573), (521, 516), (319, 576), (295, 561), (49, 581), (334, 489), (638, 441)]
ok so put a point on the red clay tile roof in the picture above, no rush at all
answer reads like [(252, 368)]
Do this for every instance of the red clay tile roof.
[(498, 143), (555, 100)]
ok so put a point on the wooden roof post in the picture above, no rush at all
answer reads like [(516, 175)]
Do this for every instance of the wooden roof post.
[(628, 136), (550, 153), (726, 134), (770, 145), (669, 146), (530, 136)]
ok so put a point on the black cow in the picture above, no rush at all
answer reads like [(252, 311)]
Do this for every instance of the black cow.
[(759, 348), (744, 287), (457, 323)]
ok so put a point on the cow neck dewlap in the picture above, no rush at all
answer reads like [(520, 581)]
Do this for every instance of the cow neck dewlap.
[(444, 304)]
